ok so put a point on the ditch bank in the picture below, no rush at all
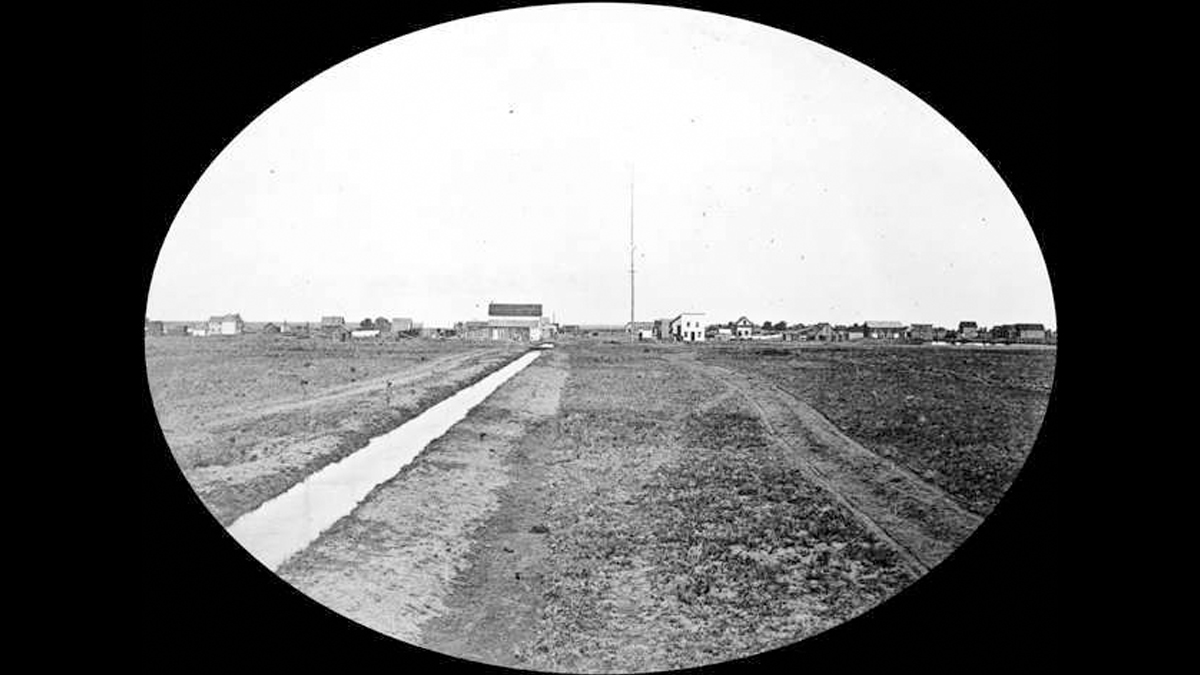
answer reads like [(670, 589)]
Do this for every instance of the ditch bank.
[(389, 565), (278, 450)]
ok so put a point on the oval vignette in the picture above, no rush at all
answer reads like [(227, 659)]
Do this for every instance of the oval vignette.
[(818, 447)]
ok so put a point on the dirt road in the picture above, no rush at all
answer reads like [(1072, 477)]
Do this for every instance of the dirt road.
[(918, 518)]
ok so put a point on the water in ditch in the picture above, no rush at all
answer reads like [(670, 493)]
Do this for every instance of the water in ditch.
[(288, 523)]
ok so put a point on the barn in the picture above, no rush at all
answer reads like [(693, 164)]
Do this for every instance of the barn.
[(883, 330), (1031, 332), (516, 322), (819, 332), (921, 332), (1020, 332), (228, 324)]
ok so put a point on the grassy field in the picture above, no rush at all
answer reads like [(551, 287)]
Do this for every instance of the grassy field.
[(247, 417), (962, 418)]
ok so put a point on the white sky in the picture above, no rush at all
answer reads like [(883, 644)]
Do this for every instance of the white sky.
[(488, 159)]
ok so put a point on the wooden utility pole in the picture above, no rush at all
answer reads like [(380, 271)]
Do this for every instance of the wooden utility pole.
[(632, 326)]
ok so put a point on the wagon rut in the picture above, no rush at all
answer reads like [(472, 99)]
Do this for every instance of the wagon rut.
[(916, 518)]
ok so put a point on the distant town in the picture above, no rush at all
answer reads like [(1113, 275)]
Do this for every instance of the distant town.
[(529, 323)]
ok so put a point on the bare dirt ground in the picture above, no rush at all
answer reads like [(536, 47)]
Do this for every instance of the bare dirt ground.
[(961, 418), (635, 508), (247, 418), (674, 530), (917, 518), (389, 565)]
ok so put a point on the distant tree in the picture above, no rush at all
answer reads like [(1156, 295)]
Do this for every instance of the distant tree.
[(767, 325), (781, 325), (366, 324), (383, 324)]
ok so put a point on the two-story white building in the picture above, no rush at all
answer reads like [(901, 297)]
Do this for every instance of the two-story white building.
[(688, 327)]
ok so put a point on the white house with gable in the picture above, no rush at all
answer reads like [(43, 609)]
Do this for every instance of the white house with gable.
[(688, 327)]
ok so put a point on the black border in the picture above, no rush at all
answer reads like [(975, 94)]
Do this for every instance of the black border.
[(207, 70)]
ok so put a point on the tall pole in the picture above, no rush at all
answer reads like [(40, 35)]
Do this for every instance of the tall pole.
[(632, 326)]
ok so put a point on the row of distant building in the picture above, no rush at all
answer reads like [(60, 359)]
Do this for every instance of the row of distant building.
[(692, 327), (528, 322), (333, 327)]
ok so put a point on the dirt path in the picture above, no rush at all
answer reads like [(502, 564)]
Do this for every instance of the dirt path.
[(919, 519), (391, 563), (548, 549)]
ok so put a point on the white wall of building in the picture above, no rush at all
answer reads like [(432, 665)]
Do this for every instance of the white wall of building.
[(690, 328)]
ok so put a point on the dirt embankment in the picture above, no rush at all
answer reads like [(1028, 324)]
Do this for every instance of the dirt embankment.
[(238, 455), (389, 565)]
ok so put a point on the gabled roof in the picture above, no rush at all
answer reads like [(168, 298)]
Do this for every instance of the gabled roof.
[(1030, 326), (744, 320), (225, 317), (884, 324)]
